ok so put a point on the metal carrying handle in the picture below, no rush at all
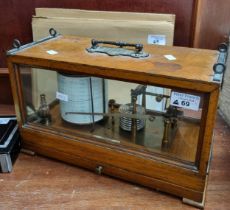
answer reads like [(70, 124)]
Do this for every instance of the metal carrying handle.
[(138, 47)]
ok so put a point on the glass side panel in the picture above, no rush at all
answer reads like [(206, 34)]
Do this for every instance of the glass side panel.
[(149, 119)]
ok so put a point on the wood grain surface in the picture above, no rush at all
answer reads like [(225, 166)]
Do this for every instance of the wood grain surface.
[(191, 67), (41, 183)]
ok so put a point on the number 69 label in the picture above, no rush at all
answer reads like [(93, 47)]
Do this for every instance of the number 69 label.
[(184, 100)]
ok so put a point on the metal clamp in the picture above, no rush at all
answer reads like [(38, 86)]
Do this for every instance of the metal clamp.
[(220, 66), (17, 44), (140, 89)]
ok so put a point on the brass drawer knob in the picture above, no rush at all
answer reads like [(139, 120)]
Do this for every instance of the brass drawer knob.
[(99, 170)]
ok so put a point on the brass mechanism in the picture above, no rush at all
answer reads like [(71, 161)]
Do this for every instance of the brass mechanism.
[(44, 111)]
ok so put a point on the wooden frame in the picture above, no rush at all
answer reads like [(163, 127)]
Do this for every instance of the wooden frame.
[(123, 162)]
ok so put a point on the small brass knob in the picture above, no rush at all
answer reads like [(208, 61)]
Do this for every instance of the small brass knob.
[(99, 170)]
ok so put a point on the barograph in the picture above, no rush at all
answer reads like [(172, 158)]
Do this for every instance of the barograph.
[(144, 114)]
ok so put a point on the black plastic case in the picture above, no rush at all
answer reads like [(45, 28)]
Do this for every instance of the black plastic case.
[(9, 143)]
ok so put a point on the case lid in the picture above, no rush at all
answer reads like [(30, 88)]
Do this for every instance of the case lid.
[(169, 66)]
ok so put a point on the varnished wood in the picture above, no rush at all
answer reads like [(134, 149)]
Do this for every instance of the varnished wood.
[(16, 96), (99, 153), (52, 185), (192, 68), (208, 133), (190, 72)]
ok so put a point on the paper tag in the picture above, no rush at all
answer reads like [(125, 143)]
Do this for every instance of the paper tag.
[(170, 57), (61, 96), (4, 121), (184, 100), (52, 52), (156, 39)]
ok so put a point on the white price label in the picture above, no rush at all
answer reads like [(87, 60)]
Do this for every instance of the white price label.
[(156, 39), (184, 100), (170, 57), (62, 97), (52, 52)]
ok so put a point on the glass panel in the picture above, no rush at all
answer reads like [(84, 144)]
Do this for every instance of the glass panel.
[(149, 119)]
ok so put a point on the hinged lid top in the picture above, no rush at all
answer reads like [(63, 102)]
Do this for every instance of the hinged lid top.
[(182, 65)]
